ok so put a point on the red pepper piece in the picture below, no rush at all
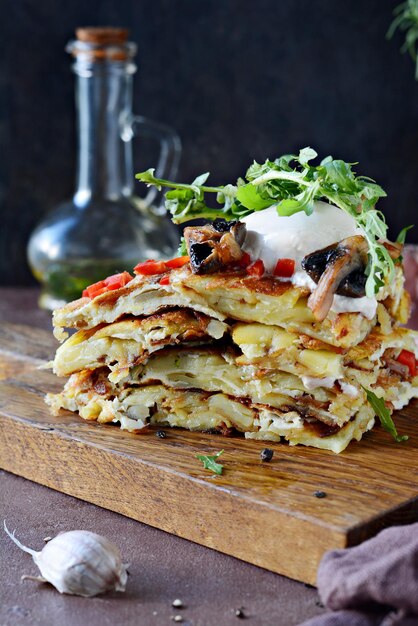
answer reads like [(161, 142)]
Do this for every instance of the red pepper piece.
[(165, 280), (408, 358), (177, 262), (285, 268), (148, 268), (245, 260), (256, 268), (95, 289), (116, 281)]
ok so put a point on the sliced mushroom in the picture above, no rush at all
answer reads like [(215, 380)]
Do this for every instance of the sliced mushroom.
[(334, 265), (398, 368), (315, 264), (354, 285), (394, 248), (236, 228), (214, 246)]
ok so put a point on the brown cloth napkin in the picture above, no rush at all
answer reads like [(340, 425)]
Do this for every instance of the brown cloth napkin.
[(373, 584)]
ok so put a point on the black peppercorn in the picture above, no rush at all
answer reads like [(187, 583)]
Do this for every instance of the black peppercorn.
[(320, 494), (266, 454), (161, 434), (239, 613)]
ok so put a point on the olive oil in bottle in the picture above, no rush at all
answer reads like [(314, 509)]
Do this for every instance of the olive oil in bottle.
[(104, 229)]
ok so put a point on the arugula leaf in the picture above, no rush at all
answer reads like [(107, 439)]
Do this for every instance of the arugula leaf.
[(291, 183), (182, 249), (199, 180), (209, 462), (149, 179), (339, 173), (304, 201), (380, 264), (382, 412), (250, 198), (187, 202), (306, 155), (402, 235)]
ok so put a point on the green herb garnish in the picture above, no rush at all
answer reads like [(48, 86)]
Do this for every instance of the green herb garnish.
[(182, 249), (406, 20), (402, 235), (187, 202), (382, 412), (209, 462), (291, 184)]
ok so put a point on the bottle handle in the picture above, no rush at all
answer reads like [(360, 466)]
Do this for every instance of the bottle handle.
[(170, 150)]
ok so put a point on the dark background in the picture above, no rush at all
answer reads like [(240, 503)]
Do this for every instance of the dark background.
[(238, 79)]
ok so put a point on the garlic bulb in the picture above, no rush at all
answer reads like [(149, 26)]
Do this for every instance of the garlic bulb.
[(79, 562)]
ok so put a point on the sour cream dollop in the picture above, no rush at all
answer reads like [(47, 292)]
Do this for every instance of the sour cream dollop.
[(271, 237)]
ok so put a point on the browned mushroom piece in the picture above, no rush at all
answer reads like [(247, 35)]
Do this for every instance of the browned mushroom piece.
[(394, 248), (214, 246), (398, 368), (346, 257)]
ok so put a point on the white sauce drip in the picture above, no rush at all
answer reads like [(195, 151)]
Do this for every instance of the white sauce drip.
[(366, 306), (349, 390), (270, 237), (310, 382)]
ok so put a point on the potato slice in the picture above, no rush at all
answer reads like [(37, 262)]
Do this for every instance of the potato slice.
[(272, 337), (321, 363)]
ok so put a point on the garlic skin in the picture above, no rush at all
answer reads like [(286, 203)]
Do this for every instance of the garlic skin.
[(80, 563)]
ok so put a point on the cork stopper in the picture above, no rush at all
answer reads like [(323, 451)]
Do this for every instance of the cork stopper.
[(102, 35), (101, 44)]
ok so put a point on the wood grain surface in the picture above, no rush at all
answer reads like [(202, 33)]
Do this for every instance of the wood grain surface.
[(263, 513)]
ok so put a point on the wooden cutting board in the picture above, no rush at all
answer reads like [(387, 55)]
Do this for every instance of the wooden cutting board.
[(263, 513)]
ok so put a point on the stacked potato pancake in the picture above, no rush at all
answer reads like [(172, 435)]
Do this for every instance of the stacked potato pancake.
[(222, 348)]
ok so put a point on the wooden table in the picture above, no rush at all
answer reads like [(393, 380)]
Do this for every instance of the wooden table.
[(163, 567)]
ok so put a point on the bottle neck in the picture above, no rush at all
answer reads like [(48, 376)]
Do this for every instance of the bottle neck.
[(104, 107)]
